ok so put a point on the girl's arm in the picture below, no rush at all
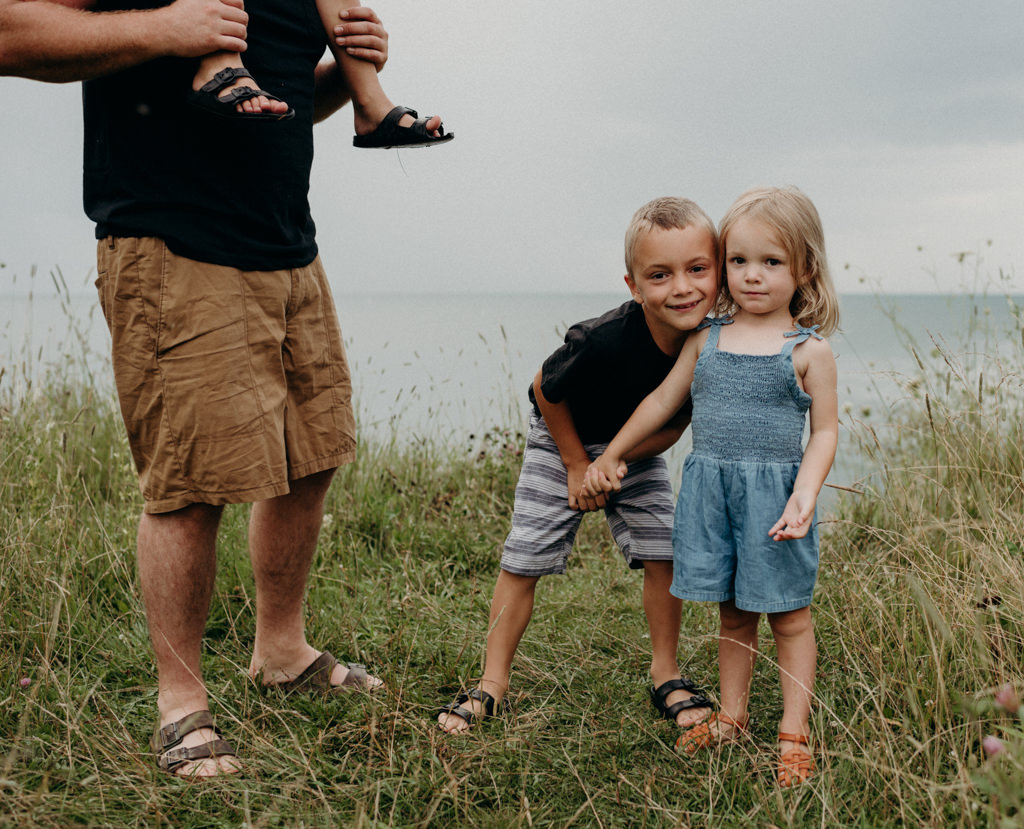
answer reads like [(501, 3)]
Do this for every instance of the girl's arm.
[(62, 42), (606, 473), (819, 381)]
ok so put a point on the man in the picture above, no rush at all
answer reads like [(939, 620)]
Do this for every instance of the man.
[(228, 359)]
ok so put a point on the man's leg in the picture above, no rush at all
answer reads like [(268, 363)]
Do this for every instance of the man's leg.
[(511, 609), (282, 540), (664, 613), (177, 567)]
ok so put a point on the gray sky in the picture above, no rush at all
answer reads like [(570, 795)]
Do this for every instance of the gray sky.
[(903, 121)]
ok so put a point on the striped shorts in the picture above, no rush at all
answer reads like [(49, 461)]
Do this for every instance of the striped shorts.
[(544, 527)]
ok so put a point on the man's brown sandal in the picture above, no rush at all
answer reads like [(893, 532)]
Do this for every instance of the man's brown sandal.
[(701, 735), (171, 755), (795, 765), (317, 678)]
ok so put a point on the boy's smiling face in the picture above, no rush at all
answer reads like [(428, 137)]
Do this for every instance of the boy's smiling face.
[(675, 279)]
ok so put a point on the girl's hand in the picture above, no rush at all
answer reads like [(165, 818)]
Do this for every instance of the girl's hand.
[(604, 475), (795, 520)]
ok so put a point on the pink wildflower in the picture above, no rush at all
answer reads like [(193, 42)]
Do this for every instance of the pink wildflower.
[(24, 682), (1006, 698), (993, 745)]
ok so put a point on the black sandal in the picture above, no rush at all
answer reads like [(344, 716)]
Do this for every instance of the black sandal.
[(206, 97), (464, 713), (165, 742), (661, 693)]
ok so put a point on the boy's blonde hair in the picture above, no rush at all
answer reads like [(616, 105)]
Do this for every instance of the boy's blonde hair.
[(668, 213), (797, 226)]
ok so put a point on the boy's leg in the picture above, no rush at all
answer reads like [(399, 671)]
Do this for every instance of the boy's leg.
[(797, 655), (369, 102), (511, 609), (664, 612), (211, 64), (177, 566), (282, 540)]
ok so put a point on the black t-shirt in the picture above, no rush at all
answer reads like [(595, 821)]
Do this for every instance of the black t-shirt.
[(215, 189), (605, 368)]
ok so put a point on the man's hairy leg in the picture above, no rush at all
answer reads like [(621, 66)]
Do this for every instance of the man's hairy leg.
[(282, 540), (177, 566)]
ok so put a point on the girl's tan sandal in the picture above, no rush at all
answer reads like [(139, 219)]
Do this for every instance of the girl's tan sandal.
[(795, 765), (702, 735)]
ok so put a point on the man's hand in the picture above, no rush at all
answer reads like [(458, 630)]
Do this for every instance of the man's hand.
[(198, 27), (362, 35)]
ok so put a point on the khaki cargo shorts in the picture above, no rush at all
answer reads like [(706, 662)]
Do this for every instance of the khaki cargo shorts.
[(231, 383)]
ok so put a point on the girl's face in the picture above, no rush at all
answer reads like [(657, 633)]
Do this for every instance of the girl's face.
[(758, 269)]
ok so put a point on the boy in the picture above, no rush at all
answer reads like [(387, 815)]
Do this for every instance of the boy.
[(582, 395)]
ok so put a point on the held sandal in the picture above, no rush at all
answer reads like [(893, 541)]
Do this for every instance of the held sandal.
[(796, 765), (206, 97), (670, 712), (166, 740), (470, 717), (701, 736)]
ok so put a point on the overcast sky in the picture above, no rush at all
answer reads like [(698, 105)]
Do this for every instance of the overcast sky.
[(903, 121)]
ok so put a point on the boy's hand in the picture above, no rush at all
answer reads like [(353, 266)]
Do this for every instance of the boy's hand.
[(579, 497), (362, 35), (604, 475), (795, 520)]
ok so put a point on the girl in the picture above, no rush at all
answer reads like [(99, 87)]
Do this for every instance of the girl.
[(744, 533), (223, 86)]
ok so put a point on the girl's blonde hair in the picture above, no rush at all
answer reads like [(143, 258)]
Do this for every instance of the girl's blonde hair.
[(797, 226)]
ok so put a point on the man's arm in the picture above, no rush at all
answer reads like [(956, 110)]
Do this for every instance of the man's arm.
[(362, 35), (63, 41)]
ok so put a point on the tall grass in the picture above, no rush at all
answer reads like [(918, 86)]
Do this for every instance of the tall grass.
[(919, 614)]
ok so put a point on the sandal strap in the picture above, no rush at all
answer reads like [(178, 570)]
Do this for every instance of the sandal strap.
[(470, 717), (170, 754), (172, 758), (737, 724), (173, 733), (801, 739), (225, 78)]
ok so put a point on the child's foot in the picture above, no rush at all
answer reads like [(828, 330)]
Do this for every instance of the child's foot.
[(680, 700), (718, 729), (459, 716), (400, 127), (232, 91), (795, 764)]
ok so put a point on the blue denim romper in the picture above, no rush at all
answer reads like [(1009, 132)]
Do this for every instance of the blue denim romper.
[(748, 423)]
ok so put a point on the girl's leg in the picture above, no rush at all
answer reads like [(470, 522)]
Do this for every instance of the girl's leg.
[(737, 650), (369, 102), (664, 612), (213, 63), (797, 653), (511, 609)]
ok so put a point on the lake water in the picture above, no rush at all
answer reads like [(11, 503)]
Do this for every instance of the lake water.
[(449, 366)]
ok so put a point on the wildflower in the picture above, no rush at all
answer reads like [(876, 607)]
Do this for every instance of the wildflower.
[(24, 682), (993, 745), (327, 519), (1006, 698)]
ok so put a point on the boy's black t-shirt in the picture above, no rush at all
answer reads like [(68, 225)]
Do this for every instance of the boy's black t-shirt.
[(219, 190), (605, 368)]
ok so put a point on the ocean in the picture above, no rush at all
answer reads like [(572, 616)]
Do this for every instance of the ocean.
[(451, 368)]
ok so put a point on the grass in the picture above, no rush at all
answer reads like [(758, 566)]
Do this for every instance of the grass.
[(919, 613)]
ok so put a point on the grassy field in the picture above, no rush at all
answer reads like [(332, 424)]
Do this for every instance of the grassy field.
[(919, 612)]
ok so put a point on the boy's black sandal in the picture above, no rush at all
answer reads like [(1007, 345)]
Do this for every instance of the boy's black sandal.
[(206, 97), (670, 712), (470, 717)]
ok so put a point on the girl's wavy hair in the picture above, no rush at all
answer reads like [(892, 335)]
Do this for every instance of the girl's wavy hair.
[(797, 226)]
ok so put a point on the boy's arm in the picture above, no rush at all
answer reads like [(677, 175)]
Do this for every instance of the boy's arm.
[(559, 421), (62, 42), (820, 383), (361, 33)]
